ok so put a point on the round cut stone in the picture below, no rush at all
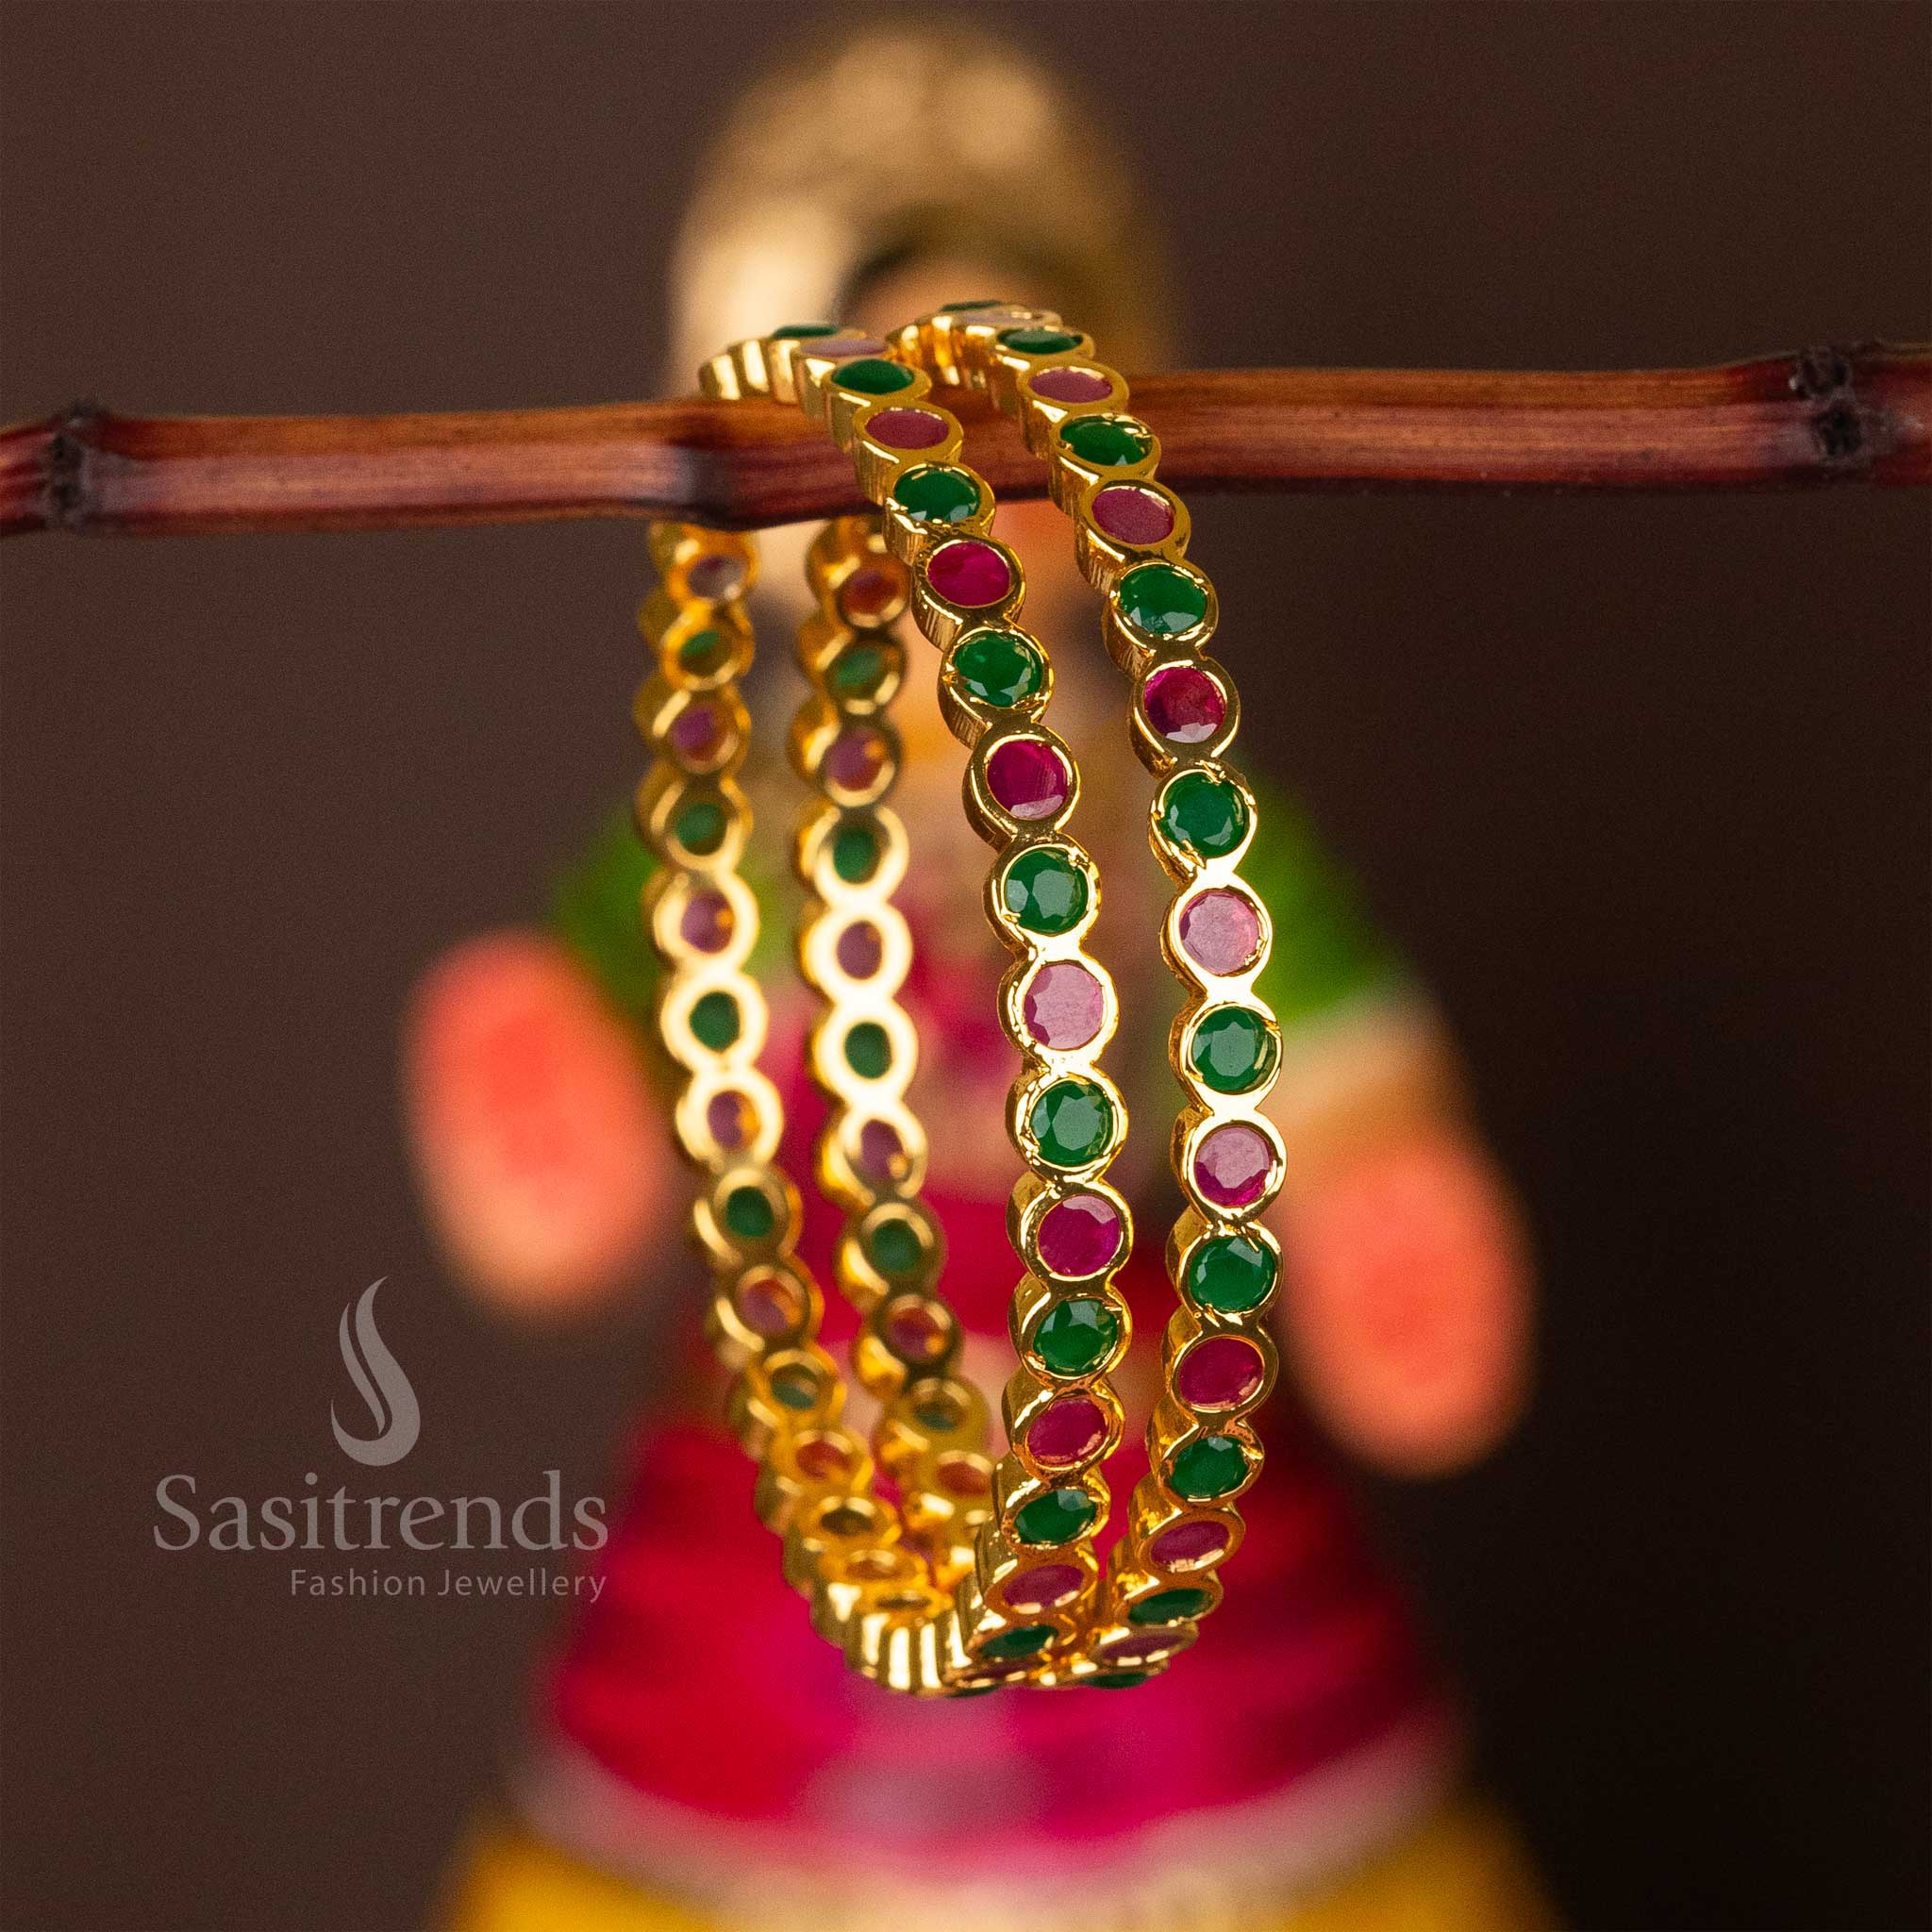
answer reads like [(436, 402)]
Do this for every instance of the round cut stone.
[(1233, 1165), (1068, 1430), (856, 760), (715, 577), (1108, 442), (706, 924), (731, 1118), (749, 1213), (698, 733), (801, 331), (1117, 1680), (873, 375), (894, 1247), (1183, 1544), (1131, 514), (1045, 892), (1221, 930), (1069, 385), (1027, 1640), (1162, 600), (1042, 1587), (936, 495), (705, 651), (1184, 705), (1233, 1049), (1171, 1606), (860, 949), (1076, 1336), (854, 853), (1203, 814), (1027, 779), (1064, 1005), (699, 827), (1144, 1648), (1231, 1272), (872, 590), (1209, 1466), (857, 671), (1219, 1371), (1079, 1236), (714, 1021), (999, 667), (969, 572), (838, 346), (1055, 1518), (1035, 340), (881, 1153), (868, 1050), (906, 428), (1072, 1121), (915, 1334), (769, 1306), (823, 1460)]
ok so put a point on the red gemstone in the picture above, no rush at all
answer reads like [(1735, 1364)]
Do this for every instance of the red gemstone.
[(906, 428), (1079, 1236), (697, 733), (969, 572), (1185, 1544), (715, 577), (767, 1307), (1232, 1165), (1220, 931), (963, 1478), (822, 1459), (854, 760), (730, 1118), (915, 1334), (1042, 1587), (1184, 705), (872, 589), (1064, 1007), (1027, 779), (1219, 1373), (1143, 1647), (706, 922), (1134, 515), (1068, 384), (1067, 1430), (860, 949), (881, 1153)]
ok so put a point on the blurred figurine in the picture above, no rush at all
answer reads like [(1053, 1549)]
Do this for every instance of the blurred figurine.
[(697, 1758)]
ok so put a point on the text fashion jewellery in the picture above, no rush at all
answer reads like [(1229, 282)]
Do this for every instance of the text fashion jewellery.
[(982, 1572)]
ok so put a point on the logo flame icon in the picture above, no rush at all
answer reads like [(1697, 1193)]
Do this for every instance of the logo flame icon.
[(381, 1383)]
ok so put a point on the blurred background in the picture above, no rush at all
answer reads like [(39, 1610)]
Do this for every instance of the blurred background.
[(1641, 786)]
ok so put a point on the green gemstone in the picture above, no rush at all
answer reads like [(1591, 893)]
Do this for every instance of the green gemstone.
[(998, 667), (1072, 1121), (1209, 1466), (1108, 442), (868, 1050), (1203, 814), (857, 671), (714, 1020), (1161, 601), (1076, 1334), (1027, 1640), (1169, 1606), (1232, 1273), (1055, 1518), (749, 1213), (1233, 1049), (705, 651), (854, 853), (1045, 892), (873, 375), (936, 495), (799, 331), (700, 826), (1038, 341), (894, 1247), (1117, 1680), (795, 1387)]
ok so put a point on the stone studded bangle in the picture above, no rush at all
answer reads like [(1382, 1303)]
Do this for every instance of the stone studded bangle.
[(1131, 536), (1028, 1608)]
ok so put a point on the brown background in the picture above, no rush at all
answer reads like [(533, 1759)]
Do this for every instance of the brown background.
[(1642, 784)]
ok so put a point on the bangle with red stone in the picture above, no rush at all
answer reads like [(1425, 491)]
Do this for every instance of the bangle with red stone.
[(1027, 1609), (1131, 536)]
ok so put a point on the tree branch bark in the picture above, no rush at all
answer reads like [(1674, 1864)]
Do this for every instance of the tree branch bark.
[(1825, 415)]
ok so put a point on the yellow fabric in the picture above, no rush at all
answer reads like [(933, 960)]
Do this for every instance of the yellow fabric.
[(1460, 1871)]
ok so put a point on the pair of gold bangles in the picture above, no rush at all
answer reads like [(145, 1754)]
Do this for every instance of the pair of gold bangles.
[(937, 1567)]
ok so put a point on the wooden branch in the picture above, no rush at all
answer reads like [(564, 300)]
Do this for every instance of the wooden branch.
[(1855, 415)]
